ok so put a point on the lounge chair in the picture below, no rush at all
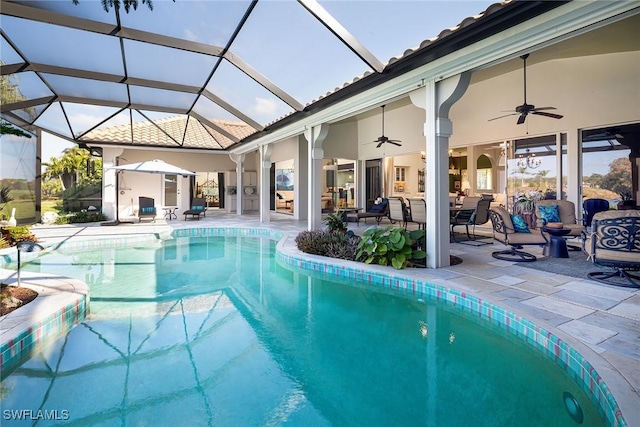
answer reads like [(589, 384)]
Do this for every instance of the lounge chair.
[(146, 208), (614, 242), (375, 211), (198, 207), (505, 233)]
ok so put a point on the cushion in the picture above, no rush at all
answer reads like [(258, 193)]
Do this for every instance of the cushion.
[(549, 213), (197, 208), (519, 224), (279, 196), (379, 208), (150, 209)]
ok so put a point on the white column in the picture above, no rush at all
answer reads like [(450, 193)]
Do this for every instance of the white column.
[(436, 99), (109, 182), (265, 176), (315, 136), (238, 159)]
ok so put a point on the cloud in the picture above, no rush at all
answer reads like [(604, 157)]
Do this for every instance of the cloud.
[(264, 107)]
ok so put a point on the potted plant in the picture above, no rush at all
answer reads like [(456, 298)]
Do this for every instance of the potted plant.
[(335, 222), (525, 205)]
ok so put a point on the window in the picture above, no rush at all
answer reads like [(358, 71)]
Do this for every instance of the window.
[(484, 179), (401, 173)]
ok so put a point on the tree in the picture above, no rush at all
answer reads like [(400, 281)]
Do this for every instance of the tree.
[(128, 4), (618, 179), (56, 168)]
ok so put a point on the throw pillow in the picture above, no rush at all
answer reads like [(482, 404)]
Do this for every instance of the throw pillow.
[(376, 208), (148, 210), (279, 196), (549, 213), (519, 224), (197, 208)]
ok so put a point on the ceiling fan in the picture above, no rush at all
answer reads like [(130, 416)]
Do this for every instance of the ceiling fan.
[(383, 139), (525, 109)]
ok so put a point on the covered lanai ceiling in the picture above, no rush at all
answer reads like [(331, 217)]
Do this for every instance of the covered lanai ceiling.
[(199, 74)]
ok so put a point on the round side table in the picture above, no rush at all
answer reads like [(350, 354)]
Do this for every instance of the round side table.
[(558, 245)]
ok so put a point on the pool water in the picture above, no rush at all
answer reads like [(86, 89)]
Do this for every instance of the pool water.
[(212, 331)]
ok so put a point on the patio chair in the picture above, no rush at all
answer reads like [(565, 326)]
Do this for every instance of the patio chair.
[(590, 207), (198, 207), (566, 215), (614, 242), (505, 233), (462, 214), (146, 208), (418, 209), (398, 211), (479, 216), (375, 211)]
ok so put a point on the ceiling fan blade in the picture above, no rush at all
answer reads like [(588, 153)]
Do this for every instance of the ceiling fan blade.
[(379, 144), (544, 108), (394, 142), (542, 113), (522, 117), (502, 117)]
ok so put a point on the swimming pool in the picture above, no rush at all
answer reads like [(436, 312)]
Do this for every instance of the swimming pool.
[(215, 330)]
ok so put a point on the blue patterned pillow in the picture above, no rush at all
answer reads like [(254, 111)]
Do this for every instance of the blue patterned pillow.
[(148, 210), (197, 208), (519, 224), (549, 213)]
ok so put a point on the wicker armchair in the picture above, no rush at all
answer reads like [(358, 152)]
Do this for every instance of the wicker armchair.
[(614, 242)]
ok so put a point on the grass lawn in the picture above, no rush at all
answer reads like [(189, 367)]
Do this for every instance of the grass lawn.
[(26, 211)]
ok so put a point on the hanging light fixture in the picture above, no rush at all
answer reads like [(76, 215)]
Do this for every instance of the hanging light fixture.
[(452, 166), (528, 161)]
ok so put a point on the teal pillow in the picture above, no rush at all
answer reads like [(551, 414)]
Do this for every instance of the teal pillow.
[(148, 210), (197, 208), (519, 224), (549, 213)]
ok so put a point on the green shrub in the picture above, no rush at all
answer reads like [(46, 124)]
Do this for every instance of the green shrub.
[(335, 222), (20, 233), (334, 245), (80, 217), (391, 246)]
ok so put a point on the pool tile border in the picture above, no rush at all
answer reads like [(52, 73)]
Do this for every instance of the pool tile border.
[(26, 331)]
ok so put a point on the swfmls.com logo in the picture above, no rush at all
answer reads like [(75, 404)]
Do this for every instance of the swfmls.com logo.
[(31, 415)]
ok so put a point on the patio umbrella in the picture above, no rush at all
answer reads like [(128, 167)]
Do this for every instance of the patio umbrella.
[(154, 166), (149, 166)]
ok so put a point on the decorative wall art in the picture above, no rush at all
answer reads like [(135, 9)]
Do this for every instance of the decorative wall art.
[(284, 179)]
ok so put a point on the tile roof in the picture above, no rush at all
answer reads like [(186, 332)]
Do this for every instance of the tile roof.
[(170, 132)]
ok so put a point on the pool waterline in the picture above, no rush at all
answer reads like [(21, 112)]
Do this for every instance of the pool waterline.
[(539, 338)]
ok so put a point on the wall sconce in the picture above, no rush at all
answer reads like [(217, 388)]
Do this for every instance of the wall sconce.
[(423, 156)]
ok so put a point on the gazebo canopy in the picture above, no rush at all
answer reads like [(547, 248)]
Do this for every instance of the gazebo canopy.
[(204, 74)]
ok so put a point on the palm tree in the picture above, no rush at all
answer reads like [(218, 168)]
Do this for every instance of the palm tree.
[(56, 168), (76, 159), (542, 177)]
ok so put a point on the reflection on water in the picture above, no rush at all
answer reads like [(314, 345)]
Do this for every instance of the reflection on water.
[(212, 331)]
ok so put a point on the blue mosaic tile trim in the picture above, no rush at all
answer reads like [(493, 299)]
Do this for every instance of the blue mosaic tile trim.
[(38, 335), (227, 231), (542, 340)]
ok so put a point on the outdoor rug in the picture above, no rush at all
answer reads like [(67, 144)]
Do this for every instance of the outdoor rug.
[(574, 266)]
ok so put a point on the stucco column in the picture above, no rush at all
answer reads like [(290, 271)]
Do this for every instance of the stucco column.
[(315, 137), (238, 159), (436, 98), (265, 170), (110, 182)]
